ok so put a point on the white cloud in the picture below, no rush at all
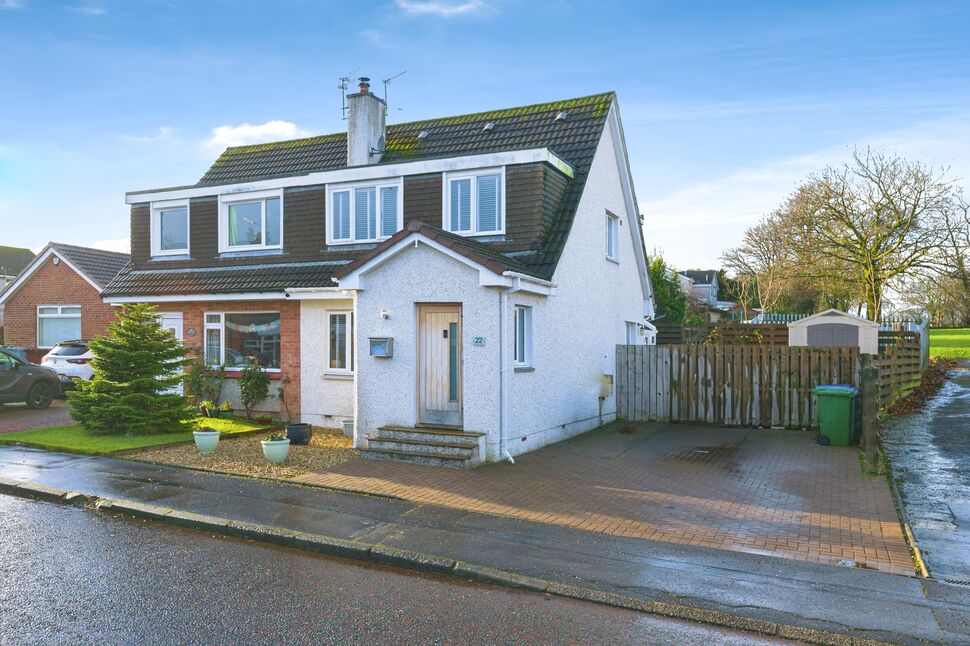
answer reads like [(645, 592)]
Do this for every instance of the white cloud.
[(276, 130), (372, 35), (440, 8), (695, 223), (119, 245), (163, 133), (87, 10), (11, 4)]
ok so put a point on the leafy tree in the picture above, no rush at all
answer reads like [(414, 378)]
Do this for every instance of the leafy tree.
[(669, 301), (253, 386), (137, 369)]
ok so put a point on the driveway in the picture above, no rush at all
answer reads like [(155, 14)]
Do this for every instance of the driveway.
[(17, 417), (930, 457), (775, 493)]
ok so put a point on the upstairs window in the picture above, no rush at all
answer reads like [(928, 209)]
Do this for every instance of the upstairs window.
[(612, 237), (170, 228), (364, 212), (251, 221), (474, 202)]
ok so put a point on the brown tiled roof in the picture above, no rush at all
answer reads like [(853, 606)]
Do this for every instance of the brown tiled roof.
[(236, 279), (479, 252), (97, 264)]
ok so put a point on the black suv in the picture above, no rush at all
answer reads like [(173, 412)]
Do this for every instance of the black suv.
[(22, 381)]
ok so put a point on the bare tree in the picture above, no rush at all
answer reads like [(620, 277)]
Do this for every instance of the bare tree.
[(879, 215), (761, 263)]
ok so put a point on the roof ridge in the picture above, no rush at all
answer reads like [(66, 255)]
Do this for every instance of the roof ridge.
[(468, 115)]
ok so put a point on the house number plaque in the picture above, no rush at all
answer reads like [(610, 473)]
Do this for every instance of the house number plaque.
[(478, 341)]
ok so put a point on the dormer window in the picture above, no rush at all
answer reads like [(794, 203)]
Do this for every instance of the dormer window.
[(251, 221), (474, 202), (364, 212), (170, 228)]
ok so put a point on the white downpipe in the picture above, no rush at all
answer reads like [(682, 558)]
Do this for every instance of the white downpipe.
[(505, 361)]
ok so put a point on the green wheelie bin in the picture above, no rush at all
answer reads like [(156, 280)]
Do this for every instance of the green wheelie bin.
[(836, 414)]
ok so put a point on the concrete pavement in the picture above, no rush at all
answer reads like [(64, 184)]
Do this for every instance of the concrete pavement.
[(17, 417), (776, 592), (74, 577)]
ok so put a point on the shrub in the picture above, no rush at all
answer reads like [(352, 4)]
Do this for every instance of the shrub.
[(202, 381), (253, 386), (138, 368)]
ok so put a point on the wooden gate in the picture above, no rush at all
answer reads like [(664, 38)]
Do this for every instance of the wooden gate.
[(744, 385)]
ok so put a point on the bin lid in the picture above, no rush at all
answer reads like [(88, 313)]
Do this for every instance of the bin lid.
[(836, 390)]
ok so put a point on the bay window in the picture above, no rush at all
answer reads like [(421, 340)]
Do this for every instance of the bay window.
[(232, 339), (251, 221), (362, 213), (474, 202), (57, 323)]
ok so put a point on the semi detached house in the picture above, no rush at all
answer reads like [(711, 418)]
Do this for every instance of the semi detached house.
[(454, 287)]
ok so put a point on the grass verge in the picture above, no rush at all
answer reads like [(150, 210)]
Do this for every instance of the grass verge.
[(950, 343), (74, 439)]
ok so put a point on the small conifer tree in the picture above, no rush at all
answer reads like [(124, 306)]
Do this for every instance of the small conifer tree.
[(138, 368)]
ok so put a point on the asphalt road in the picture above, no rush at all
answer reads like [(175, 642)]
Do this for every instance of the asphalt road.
[(69, 576)]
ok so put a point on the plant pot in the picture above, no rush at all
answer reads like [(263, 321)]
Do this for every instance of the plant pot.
[(276, 450), (206, 441), (299, 433)]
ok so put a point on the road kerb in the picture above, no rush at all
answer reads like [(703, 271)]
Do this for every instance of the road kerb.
[(423, 562)]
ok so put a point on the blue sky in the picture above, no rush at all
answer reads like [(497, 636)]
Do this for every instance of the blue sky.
[(726, 105)]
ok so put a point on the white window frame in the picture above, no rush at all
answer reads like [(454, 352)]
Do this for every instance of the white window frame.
[(156, 227), (612, 241), (221, 326), (348, 350), (448, 178), (635, 329), (350, 187), (60, 315), (526, 360), (243, 198)]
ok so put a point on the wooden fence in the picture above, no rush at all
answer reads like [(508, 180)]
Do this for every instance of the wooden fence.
[(741, 385), (900, 364)]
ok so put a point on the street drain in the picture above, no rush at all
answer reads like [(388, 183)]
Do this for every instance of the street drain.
[(964, 582)]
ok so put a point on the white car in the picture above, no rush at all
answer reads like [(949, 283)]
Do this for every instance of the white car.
[(70, 360)]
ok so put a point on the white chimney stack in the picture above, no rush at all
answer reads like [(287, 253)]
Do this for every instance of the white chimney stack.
[(365, 126)]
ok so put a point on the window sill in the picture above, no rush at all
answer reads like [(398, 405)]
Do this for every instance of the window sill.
[(483, 236), (170, 257), (524, 369), (273, 373), (339, 376), (244, 253)]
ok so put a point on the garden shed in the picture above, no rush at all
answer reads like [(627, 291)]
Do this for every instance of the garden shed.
[(834, 328)]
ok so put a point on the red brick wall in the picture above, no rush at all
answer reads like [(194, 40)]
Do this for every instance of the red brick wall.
[(192, 317), (53, 285)]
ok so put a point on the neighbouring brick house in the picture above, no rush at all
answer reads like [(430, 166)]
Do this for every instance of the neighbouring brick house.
[(57, 297), (454, 287), (12, 262)]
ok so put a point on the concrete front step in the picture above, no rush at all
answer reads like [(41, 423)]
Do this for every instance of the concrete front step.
[(440, 434), (460, 449), (417, 457)]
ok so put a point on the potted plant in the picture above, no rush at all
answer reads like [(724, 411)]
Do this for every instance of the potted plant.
[(298, 433), (206, 440), (208, 408), (276, 447), (225, 409)]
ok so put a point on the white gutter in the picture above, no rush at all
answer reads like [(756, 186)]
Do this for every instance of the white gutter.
[(505, 361)]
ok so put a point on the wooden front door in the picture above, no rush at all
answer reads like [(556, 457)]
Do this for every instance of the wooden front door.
[(439, 364)]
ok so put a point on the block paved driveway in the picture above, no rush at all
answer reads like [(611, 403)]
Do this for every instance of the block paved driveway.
[(17, 417), (767, 492)]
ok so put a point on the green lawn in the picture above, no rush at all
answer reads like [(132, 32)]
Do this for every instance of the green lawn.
[(952, 344), (73, 439)]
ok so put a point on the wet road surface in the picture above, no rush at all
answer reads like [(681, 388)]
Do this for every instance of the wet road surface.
[(69, 576), (930, 456)]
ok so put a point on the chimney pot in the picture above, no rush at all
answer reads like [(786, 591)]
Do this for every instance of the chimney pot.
[(364, 85)]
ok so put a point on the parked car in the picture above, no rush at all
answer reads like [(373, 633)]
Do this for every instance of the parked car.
[(70, 360), (22, 381)]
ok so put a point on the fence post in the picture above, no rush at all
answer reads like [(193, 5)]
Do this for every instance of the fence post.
[(870, 414)]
